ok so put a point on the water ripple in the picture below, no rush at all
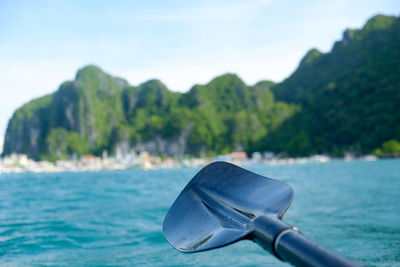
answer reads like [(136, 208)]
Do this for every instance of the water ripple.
[(115, 218)]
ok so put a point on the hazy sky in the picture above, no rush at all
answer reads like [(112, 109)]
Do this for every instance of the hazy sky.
[(43, 43)]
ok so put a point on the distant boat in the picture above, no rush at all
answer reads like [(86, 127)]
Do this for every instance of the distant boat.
[(369, 158)]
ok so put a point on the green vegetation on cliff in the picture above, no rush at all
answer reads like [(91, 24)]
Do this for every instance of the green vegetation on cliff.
[(344, 100), (389, 148), (97, 112), (350, 97)]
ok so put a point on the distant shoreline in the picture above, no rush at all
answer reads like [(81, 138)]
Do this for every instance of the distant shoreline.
[(144, 161)]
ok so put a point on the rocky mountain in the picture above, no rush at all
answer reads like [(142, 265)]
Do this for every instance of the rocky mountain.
[(79, 117), (350, 96), (97, 112), (344, 100)]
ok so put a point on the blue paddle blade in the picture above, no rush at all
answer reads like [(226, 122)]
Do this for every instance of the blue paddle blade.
[(219, 205)]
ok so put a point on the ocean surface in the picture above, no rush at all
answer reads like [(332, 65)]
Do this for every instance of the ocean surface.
[(115, 218)]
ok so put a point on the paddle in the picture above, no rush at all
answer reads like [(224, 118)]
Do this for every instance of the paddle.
[(224, 203)]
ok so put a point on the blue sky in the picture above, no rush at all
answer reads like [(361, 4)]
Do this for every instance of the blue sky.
[(43, 43)]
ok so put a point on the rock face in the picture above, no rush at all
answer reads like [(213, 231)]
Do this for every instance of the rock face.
[(344, 100), (84, 112), (97, 112), (27, 126)]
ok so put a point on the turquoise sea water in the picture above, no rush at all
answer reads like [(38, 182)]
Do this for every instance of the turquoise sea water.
[(115, 218)]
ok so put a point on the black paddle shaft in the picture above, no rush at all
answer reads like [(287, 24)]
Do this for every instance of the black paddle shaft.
[(287, 244)]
